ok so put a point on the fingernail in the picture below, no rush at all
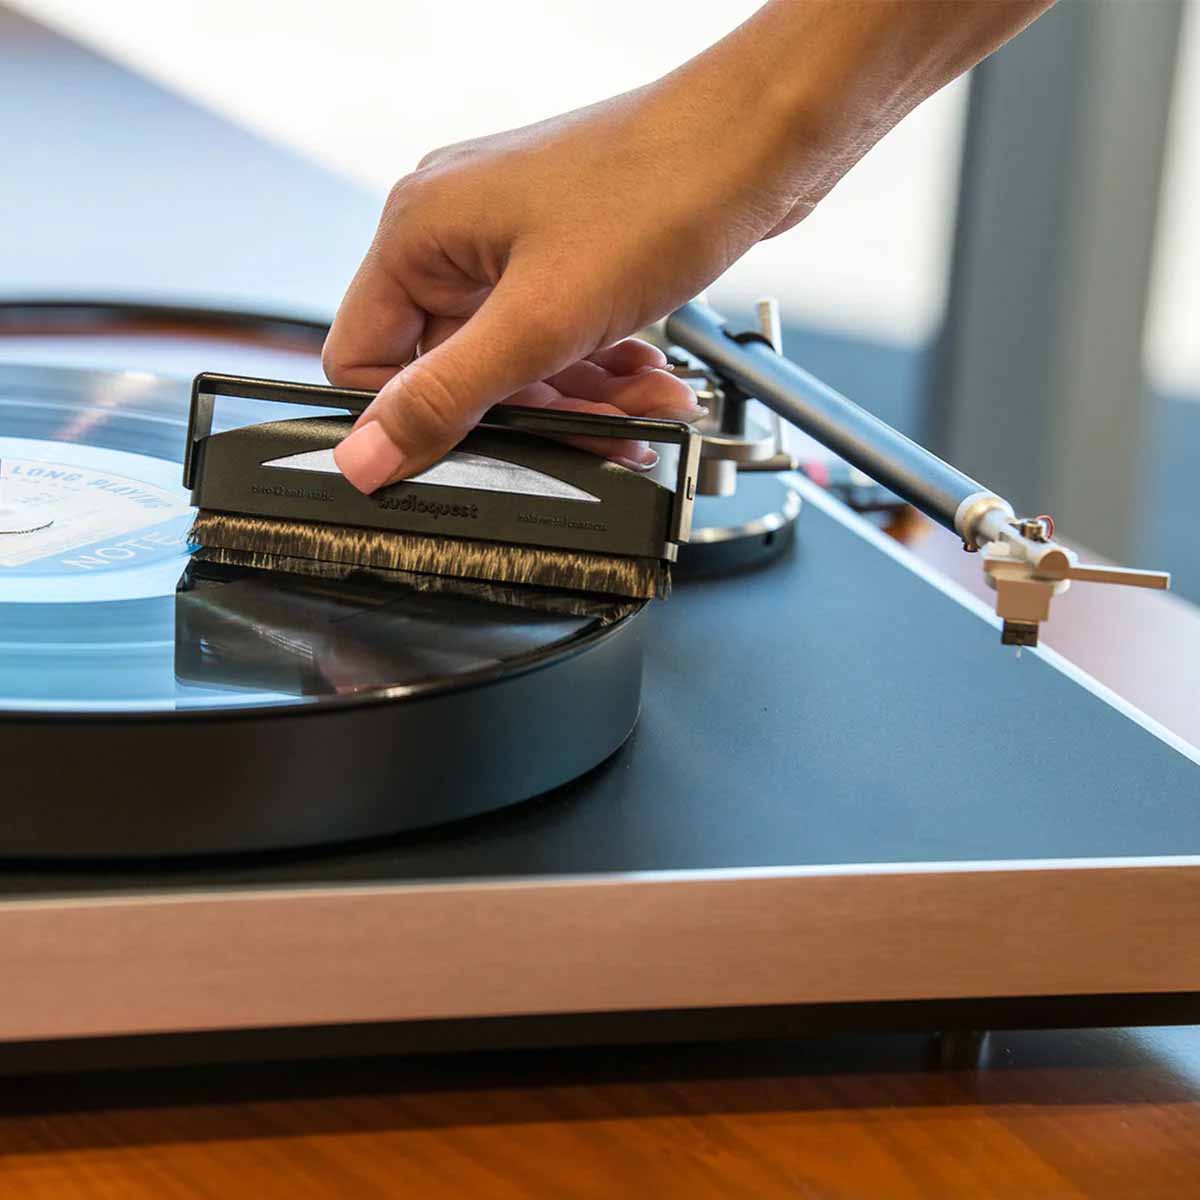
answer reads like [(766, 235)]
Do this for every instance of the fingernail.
[(646, 462), (691, 414), (368, 457)]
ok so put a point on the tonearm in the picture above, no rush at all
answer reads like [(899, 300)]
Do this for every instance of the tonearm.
[(1020, 558)]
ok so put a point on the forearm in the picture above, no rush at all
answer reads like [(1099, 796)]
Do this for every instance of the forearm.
[(815, 83)]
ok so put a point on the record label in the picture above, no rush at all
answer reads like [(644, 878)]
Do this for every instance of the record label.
[(83, 519)]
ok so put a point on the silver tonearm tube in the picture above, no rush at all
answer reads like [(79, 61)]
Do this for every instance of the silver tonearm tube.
[(1021, 561)]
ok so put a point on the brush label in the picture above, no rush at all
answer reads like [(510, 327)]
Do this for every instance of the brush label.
[(291, 493), (558, 521), (409, 502)]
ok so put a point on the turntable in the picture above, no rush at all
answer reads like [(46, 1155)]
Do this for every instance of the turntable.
[(828, 811)]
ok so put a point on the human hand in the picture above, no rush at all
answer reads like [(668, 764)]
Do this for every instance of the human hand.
[(513, 268)]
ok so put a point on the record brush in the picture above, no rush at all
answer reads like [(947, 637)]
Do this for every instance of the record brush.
[(510, 505)]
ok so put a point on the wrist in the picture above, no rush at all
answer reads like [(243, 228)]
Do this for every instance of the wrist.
[(815, 84), (786, 108)]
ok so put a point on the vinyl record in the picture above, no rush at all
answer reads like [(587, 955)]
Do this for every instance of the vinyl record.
[(154, 706)]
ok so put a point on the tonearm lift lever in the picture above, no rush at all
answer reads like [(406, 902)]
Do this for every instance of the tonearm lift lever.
[(1020, 558)]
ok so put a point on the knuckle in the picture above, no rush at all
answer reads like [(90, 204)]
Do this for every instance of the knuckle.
[(431, 159), (445, 155), (405, 194), (336, 369)]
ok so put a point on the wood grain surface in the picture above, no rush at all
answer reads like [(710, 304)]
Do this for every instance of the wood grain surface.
[(1051, 1114)]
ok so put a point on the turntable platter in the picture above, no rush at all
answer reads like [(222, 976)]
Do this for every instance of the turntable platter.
[(193, 684)]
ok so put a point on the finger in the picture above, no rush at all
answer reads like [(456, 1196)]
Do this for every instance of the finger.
[(513, 339), (633, 453), (626, 357), (579, 379), (438, 329), (650, 393), (375, 332)]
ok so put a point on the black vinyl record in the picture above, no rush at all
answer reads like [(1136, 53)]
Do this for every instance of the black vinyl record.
[(155, 706)]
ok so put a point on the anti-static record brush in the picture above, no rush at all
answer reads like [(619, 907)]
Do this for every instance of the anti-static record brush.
[(509, 505)]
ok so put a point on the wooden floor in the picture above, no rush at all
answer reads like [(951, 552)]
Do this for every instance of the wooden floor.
[(1071, 1114)]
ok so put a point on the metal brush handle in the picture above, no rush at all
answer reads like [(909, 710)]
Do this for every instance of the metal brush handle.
[(559, 422), (209, 386), (751, 363)]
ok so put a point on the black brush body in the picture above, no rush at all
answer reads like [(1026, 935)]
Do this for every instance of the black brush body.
[(508, 505)]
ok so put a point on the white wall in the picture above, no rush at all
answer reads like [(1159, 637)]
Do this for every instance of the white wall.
[(367, 86), (1173, 319)]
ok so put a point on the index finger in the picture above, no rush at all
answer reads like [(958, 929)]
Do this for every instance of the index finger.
[(376, 331)]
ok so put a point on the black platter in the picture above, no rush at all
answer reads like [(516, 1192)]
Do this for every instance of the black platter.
[(150, 706)]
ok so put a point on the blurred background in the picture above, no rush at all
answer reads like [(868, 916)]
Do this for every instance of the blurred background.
[(1013, 274)]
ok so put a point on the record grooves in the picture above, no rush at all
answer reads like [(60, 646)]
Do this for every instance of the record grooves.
[(152, 706)]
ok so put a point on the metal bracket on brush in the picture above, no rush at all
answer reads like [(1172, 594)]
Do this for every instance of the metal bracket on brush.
[(208, 387), (1021, 562)]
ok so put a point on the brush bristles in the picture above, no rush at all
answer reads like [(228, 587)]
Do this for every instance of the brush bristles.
[(603, 609), (499, 562)]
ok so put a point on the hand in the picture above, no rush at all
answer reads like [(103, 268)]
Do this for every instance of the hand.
[(513, 268)]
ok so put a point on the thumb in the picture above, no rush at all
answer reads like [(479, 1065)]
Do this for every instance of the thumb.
[(429, 407)]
